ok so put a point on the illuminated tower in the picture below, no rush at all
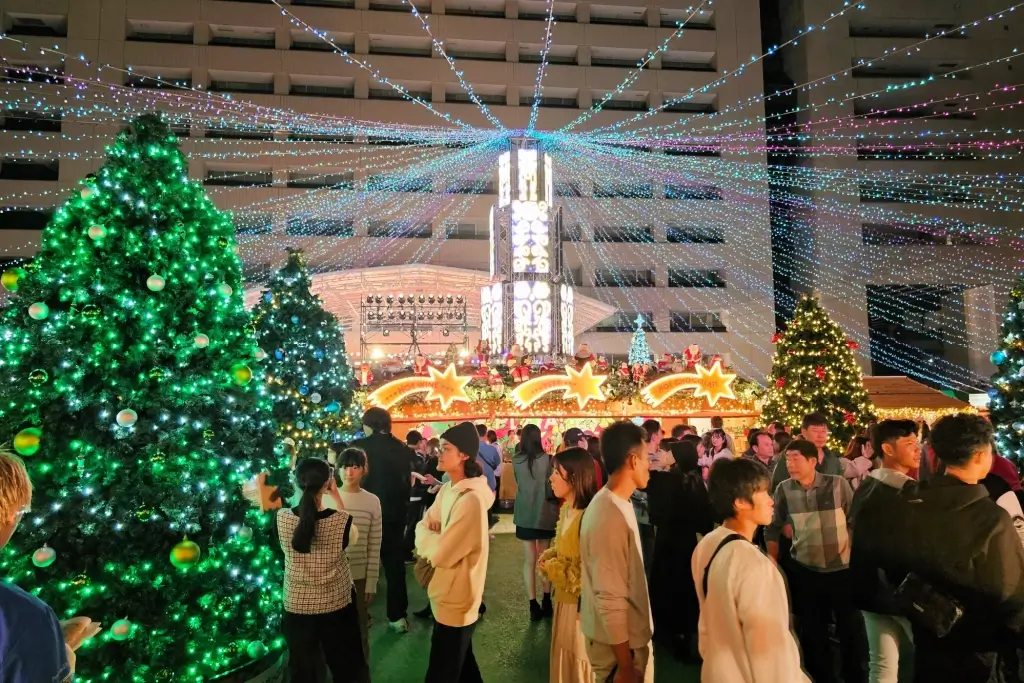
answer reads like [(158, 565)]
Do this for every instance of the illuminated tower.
[(528, 302)]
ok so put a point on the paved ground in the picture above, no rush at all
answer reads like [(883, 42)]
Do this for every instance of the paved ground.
[(509, 648)]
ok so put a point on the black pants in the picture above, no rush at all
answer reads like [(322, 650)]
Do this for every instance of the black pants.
[(818, 598), (451, 655), (334, 637), (416, 510), (392, 558)]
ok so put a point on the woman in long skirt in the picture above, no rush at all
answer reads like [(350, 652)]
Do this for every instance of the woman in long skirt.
[(572, 480)]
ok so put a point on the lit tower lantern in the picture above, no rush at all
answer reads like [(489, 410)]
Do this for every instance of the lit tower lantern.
[(528, 302)]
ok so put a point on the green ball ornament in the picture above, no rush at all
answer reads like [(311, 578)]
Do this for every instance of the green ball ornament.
[(185, 554), (97, 232), (122, 629), (28, 441), (10, 278), (38, 377), (39, 311), (224, 289), (256, 650), (245, 533), (44, 557), (241, 374), (155, 283)]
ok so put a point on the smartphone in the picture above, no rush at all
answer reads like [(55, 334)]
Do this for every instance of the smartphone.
[(333, 470)]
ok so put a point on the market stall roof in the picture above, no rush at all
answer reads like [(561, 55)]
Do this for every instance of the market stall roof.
[(344, 291), (892, 393)]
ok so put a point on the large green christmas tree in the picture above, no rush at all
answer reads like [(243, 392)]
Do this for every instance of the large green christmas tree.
[(307, 370), (128, 384), (814, 371), (1006, 405)]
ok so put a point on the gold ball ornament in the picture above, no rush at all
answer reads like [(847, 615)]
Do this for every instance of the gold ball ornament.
[(155, 283), (122, 629), (38, 377), (44, 557), (91, 311), (97, 232), (144, 514), (157, 374), (222, 242), (241, 374), (39, 311), (127, 417), (157, 457), (259, 354), (201, 341), (224, 289), (28, 441), (208, 434), (185, 554), (80, 580), (10, 278)]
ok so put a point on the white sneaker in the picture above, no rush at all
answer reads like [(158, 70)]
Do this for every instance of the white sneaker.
[(400, 626)]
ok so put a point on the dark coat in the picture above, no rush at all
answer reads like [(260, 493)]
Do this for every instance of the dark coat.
[(954, 537), (388, 475)]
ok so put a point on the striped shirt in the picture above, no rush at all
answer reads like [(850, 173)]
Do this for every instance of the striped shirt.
[(818, 516), (364, 553)]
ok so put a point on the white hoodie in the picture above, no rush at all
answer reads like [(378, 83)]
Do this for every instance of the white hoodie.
[(459, 552)]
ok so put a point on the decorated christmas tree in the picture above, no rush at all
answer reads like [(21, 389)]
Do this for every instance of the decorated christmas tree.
[(129, 386), (814, 371), (1006, 405), (308, 373), (639, 351)]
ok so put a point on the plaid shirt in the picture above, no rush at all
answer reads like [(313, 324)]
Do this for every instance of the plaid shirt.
[(772, 462), (818, 515)]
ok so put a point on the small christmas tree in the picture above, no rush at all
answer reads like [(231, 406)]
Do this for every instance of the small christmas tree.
[(307, 370), (1006, 407), (814, 371), (639, 351), (128, 384)]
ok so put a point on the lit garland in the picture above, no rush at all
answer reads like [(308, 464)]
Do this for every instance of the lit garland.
[(131, 389)]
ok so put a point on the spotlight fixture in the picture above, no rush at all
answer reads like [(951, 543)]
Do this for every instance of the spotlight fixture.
[(444, 332), (369, 298), (449, 299), (430, 298), (387, 333), (401, 298), (391, 315), (422, 298), (390, 299), (458, 315), (401, 315), (458, 299), (378, 297)]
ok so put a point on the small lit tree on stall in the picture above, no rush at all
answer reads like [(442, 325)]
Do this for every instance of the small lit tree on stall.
[(307, 370), (1006, 407), (639, 351), (814, 371), (127, 382)]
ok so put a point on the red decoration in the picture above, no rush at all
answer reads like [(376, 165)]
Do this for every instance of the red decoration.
[(483, 352), (521, 372), (365, 374), (420, 365), (776, 337), (780, 382), (852, 344), (624, 371), (820, 373), (849, 418), (692, 355)]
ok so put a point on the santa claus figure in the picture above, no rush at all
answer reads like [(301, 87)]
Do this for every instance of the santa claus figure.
[(522, 371), (624, 371), (677, 365), (716, 359), (602, 364), (494, 380), (514, 359), (692, 356), (420, 365), (638, 373), (483, 352), (665, 364), (365, 375), (583, 356)]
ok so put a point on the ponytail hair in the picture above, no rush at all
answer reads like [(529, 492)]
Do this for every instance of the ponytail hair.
[(311, 475)]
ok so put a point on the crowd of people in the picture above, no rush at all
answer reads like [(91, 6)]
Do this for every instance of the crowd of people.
[(902, 560)]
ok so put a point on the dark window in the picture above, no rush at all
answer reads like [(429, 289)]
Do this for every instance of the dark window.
[(680, 65), (15, 218), (136, 80), (691, 107), (614, 61), (470, 186), (400, 50), (485, 98), (392, 94), (325, 3), (474, 55), (879, 234), (310, 43), (253, 223), (389, 142), (625, 322), (384, 183), (265, 41), (619, 21), (334, 181), (183, 37), (34, 73), (922, 194), (913, 154), (241, 86), (642, 234), (317, 137), (691, 234), (623, 190), (558, 102), (543, 16), (318, 226), (567, 190), (694, 151), (32, 121), (229, 134), (623, 277), (534, 58), (572, 232), (700, 192), (624, 105), (49, 27), (695, 278), (467, 231), (28, 169), (684, 321), (406, 229), (474, 12), (238, 178), (574, 276), (342, 91)]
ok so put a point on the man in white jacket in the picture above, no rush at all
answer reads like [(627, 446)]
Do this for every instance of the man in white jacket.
[(452, 536), (743, 629)]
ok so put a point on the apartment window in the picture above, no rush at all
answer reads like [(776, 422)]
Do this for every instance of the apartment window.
[(319, 137), (29, 169), (899, 153), (242, 83), (483, 97), (623, 277), (261, 223), (19, 218), (231, 134), (160, 32), (386, 183), (574, 276), (34, 73), (617, 16), (910, 68), (627, 59), (46, 25), (475, 50), (334, 181), (537, 10), (568, 190), (467, 231), (389, 141), (682, 60), (871, 192), (692, 234), (322, 86), (889, 235), (572, 232), (688, 19), (243, 36), (622, 321), (32, 121), (895, 28), (237, 178), (325, 3), (623, 105), (698, 192), (531, 53), (685, 321), (623, 190), (471, 186), (557, 102), (404, 229), (156, 78), (410, 47), (694, 151), (948, 110), (638, 233), (695, 278), (399, 6), (472, 11), (309, 225), (306, 41), (392, 94), (689, 104)]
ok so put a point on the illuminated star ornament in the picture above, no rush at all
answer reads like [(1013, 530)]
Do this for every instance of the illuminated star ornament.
[(582, 385), (712, 384), (446, 387)]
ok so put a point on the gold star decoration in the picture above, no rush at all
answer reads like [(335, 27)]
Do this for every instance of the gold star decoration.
[(584, 385), (710, 383), (447, 387)]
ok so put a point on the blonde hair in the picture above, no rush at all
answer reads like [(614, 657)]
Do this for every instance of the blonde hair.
[(15, 486)]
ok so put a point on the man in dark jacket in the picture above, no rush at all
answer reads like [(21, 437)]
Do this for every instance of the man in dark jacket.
[(953, 537), (389, 477), (814, 429)]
